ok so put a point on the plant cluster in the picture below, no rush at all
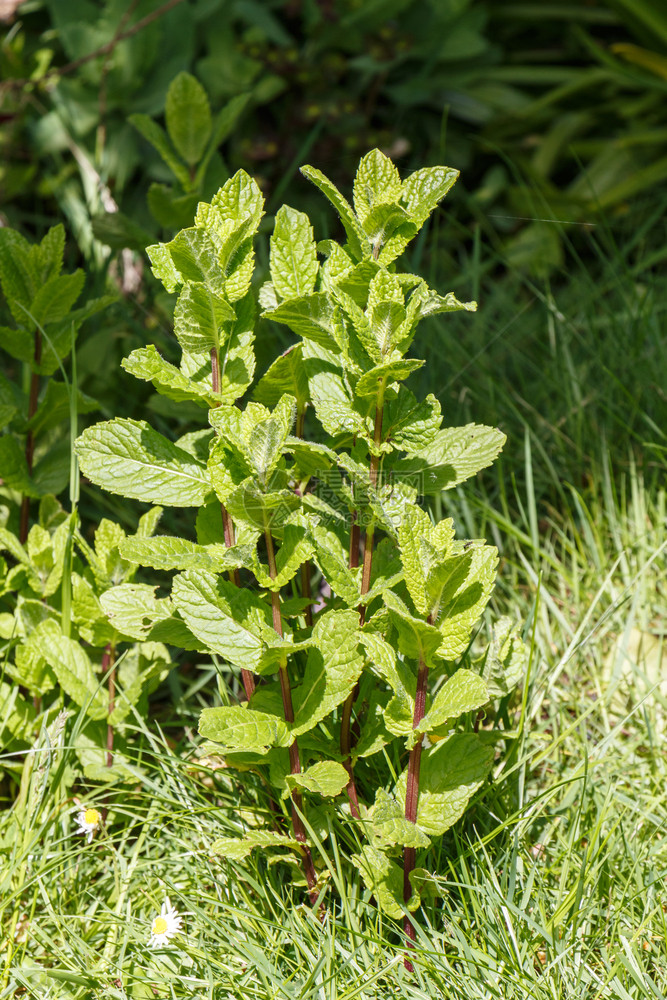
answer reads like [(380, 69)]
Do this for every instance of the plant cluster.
[(57, 641), (348, 615)]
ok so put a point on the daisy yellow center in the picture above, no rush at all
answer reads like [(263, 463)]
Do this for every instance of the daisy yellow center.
[(159, 925), (91, 817)]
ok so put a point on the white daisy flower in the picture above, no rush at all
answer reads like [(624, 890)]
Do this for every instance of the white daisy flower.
[(90, 821), (165, 926)]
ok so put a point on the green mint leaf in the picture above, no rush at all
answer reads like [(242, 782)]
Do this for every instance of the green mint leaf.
[(87, 614), (267, 438), (358, 243), (313, 317), (234, 849), (238, 261), (286, 374), (293, 260), (391, 828), (336, 266), (381, 224), (129, 458), (451, 772), (253, 505), (384, 287), (188, 117), (166, 552), (158, 138), (237, 359), (133, 609), (463, 600), (230, 621), (356, 282), (464, 691), (170, 209), (359, 326), (423, 190), (55, 299), (15, 473), (148, 522), (388, 371), (19, 277), (387, 323), (416, 638), (395, 242), (296, 547), (195, 258), (425, 550), (334, 402), (275, 654), (232, 238), (47, 256), (108, 537), (31, 670), (326, 778), (47, 557), (18, 715), (201, 318), (333, 562), (72, 668), (410, 424), (504, 663), (249, 447), (333, 667), (432, 304), (240, 197), (163, 266), (145, 363), (453, 455), (9, 542), (382, 657), (222, 126), (244, 729), (384, 878), (377, 182), (54, 406)]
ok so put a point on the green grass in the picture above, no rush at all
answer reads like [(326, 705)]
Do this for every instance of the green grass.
[(553, 887)]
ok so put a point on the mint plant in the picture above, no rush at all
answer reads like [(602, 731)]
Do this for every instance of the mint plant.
[(57, 644), (315, 570), (34, 446), (60, 647)]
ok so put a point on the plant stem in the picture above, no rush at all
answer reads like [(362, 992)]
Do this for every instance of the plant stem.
[(288, 710), (228, 525), (305, 568), (305, 590), (300, 420), (30, 440), (346, 718), (355, 539), (412, 800)]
